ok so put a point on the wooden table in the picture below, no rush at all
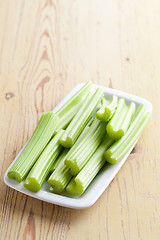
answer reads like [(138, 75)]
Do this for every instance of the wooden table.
[(46, 48)]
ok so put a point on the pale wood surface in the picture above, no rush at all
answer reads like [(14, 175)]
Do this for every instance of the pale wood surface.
[(46, 48)]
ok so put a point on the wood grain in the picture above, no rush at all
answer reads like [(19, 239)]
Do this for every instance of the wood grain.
[(46, 48)]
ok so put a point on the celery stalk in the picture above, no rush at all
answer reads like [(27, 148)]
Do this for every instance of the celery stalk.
[(121, 119), (136, 118), (108, 108), (79, 184), (40, 170), (60, 177), (80, 119), (41, 136), (70, 108), (119, 148), (78, 147), (61, 174), (85, 149)]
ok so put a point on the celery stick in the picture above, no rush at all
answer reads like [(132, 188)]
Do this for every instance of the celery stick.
[(121, 119), (40, 170), (34, 147), (78, 147), (65, 141), (61, 175), (108, 108), (119, 148), (80, 119), (136, 118), (81, 154), (80, 183), (70, 108)]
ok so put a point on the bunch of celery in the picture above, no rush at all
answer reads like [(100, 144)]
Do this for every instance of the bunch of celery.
[(69, 147)]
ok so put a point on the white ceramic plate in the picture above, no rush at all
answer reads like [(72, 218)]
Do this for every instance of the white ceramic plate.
[(101, 181)]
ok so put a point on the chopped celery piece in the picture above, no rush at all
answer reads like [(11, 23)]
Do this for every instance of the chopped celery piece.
[(136, 118), (41, 168), (108, 108), (121, 119), (70, 108), (65, 140), (38, 141), (61, 175), (79, 184), (84, 150), (80, 119), (120, 147)]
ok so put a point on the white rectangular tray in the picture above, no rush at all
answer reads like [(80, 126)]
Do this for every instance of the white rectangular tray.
[(101, 181)]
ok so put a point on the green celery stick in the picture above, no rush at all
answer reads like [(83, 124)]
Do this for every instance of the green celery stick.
[(120, 148), (136, 118), (70, 108), (80, 119), (85, 149), (121, 119), (108, 108), (65, 141), (79, 184), (41, 136), (41, 168), (86, 133), (61, 175)]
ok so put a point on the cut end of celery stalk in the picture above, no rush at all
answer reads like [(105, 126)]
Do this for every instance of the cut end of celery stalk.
[(103, 115), (56, 186), (108, 157), (66, 142), (108, 108), (72, 164), (114, 134), (75, 187), (32, 184), (14, 175)]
